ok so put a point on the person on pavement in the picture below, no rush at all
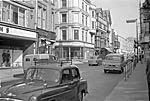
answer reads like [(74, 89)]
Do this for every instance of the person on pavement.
[(148, 74)]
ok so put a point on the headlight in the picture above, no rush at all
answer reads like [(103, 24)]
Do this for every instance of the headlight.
[(32, 98)]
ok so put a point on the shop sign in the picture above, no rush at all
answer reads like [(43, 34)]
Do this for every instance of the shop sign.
[(17, 32)]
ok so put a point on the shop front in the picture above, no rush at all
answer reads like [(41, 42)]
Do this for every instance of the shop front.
[(46, 40), (15, 42)]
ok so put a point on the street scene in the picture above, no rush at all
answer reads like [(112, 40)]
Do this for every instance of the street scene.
[(74, 50)]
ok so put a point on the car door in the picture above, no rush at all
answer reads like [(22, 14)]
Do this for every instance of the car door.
[(68, 93)]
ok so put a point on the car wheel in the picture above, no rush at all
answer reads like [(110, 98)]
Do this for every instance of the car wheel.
[(80, 96)]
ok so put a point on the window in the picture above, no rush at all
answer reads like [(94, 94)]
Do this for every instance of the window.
[(6, 12), (86, 20), (22, 17), (93, 14), (76, 34), (75, 74), (66, 76), (14, 14), (64, 3), (64, 34), (86, 36), (86, 7), (91, 38), (82, 35), (76, 17), (83, 5), (53, 21), (44, 19), (83, 19), (39, 16), (93, 24), (64, 17)]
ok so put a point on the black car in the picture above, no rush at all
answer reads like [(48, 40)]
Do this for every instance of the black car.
[(52, 82)]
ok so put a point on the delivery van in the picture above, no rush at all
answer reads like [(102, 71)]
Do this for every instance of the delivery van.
[(36, 59)]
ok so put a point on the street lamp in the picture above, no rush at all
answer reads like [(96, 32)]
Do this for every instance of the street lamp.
[(135, 21)]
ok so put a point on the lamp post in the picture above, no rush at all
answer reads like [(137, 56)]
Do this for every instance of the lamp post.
[(135, 21)]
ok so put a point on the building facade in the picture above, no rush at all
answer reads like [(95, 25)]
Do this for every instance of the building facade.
[(17, 33), (45, 25), (74, 37), (103, 29)]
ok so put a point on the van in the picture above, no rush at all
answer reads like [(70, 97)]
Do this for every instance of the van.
[(114, 62), (36, 59)]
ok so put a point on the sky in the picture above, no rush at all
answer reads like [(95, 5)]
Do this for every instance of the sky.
[(121, 10)]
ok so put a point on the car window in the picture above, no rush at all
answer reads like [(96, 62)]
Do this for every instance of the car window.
[(117, 58), (66, 76), (75, 73), (44, 74)]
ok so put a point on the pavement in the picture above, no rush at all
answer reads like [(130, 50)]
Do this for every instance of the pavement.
[(135, 88)]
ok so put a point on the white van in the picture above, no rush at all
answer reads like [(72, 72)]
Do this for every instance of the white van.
[(36, 59)]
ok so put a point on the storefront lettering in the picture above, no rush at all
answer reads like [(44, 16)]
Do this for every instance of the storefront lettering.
[(1, 29)]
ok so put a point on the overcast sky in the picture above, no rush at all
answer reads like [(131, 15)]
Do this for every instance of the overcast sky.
[(121, 10)]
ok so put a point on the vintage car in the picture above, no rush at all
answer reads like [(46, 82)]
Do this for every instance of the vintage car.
[(114, 62), (52, 82), (95, 60)]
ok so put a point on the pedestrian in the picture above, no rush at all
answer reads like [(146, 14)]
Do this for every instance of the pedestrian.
[(4, 58), (140, 58), (7, 59), (148, 73)]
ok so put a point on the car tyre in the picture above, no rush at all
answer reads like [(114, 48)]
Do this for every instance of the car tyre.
[(80, 96)]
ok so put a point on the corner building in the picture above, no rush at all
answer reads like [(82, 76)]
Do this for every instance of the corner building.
[(74, 37)]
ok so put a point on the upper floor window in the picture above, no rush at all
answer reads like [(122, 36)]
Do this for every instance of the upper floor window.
[(86, 20), (64, 34), (82, 35), (39, 16), (93, 14), (83, 5), (93, 24), (44, 19), (13, 14), (64, 17), (64, 3), (91, 38), (83, 19), (86, 36), (22, 17), (76, 34)]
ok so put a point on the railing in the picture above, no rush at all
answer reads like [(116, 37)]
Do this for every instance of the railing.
[(129, 67)]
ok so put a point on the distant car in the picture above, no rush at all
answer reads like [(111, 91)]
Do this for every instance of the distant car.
[(114, 62), (95, 60), (48, 83)]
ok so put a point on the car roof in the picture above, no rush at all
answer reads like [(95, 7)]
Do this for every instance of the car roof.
[(114, 54), (55, 66)]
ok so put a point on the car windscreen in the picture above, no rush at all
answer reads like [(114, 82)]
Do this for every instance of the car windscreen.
[(115, 58), (45, 74)]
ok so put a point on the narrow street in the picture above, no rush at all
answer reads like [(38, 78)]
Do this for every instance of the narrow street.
[(100, 84)]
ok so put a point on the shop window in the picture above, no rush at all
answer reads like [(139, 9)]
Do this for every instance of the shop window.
[(64, 34), (64, 17), (76, 34)]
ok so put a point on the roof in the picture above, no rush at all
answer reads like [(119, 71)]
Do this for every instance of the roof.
[(55, 66), (114, 54)]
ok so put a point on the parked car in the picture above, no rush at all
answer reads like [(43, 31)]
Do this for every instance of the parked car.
[(114, 62), (95, 60), (48, 83)]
